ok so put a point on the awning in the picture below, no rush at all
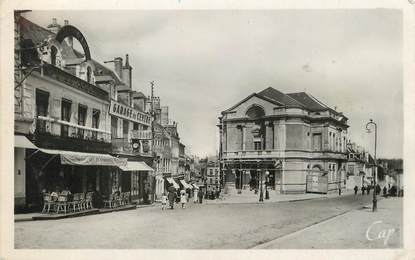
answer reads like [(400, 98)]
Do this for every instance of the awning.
[(196, 187), (136, 166), (171, 181), (78, 158), (21, 141), (186, 185)]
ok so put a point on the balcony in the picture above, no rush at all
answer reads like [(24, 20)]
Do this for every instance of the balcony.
[(56, 134), (141, 134)]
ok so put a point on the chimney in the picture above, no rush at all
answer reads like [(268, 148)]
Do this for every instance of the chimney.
[(69, 39), (126, 72), (118, 67), (54, 26)]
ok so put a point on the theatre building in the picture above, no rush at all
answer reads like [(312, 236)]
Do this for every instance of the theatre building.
[(292, 143), (62, 121)]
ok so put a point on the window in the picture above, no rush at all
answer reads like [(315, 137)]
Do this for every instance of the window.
[(135, 126), (257, 145), (53, 52), (81, 119), (211, 171), (114, 127), (42, 104), (88, 74), (255, 112), (317, 142), (65, 115), (125, 126), (95, 122)]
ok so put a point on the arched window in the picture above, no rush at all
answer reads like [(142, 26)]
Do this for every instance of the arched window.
[(53, 52), (88, 74), (255, 112)]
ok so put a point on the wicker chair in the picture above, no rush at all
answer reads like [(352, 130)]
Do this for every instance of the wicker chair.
[(76, 202), (88, 200), (110, 202), (47, 203), (62, 203)]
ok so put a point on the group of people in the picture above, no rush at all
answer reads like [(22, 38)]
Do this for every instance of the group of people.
[(386, 192), (182, 198)]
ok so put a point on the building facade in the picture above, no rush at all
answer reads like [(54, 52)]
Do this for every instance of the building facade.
[(293, 142)]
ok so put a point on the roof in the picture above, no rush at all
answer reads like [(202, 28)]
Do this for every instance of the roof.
[(38, 34), (308, 101), (280, 97)]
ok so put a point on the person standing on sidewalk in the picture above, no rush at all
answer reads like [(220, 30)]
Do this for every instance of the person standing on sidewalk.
[(163, 201), (363, 190), (355, 190), (183, 199), (172, 197), (200, 195), (195, 199)]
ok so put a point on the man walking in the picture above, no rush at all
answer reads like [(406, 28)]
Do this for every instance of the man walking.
[(355, 190), (172, 197), (200, 195)]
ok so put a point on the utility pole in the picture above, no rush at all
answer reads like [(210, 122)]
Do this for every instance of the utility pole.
[(152, 132)]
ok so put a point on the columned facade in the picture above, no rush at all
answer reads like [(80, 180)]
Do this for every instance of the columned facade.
[(291, 143)]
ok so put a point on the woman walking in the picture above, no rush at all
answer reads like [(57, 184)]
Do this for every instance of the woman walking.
[(183, 199)]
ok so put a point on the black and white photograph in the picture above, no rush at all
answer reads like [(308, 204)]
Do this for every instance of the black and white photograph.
[(208, 129)]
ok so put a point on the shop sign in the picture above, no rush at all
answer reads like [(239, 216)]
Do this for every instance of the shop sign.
[(123, 111)]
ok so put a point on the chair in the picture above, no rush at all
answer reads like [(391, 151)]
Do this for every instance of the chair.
[(75, 203), (109, 202), (88, 200), (47, 202), (118, 199), (82, 201), (62, 203), (126, 198)]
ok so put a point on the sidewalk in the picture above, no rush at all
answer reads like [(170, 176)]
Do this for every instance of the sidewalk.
[(250, 197), (355, 229)]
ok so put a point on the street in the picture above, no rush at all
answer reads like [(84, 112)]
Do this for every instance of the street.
[(232, 226)]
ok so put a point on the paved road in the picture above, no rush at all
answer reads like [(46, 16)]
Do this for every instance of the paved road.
[(360, 229), (198, 226)]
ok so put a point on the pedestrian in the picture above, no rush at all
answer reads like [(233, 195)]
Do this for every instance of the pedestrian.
[(163, 201), (355, 190), (172, 197), (378, 189), (385, 192), (368, 190), (195, 198), (363, 190), (200, 196), (183, 199)]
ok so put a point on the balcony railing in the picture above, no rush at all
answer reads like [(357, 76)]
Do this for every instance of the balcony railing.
[(56, 127), (141, 134)]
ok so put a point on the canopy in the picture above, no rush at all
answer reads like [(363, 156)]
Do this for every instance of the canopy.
[(171, 181), (136, 166), (78, 158), (186, 185), (196, 187), (21, 141)]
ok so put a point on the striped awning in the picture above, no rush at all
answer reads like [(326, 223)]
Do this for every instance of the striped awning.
[(171, 181), (186, 185)]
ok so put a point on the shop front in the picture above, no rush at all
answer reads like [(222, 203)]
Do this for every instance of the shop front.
[(137, 178), (48, 171)]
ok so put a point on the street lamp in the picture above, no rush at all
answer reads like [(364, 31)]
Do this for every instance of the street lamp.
[(368, 125), (261, 193)]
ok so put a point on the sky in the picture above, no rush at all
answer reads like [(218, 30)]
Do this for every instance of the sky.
[(205, 61)]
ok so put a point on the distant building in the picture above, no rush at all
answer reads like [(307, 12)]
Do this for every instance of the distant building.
[(212, 177), (293, 142)]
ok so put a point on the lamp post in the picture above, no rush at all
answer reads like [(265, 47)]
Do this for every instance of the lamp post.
[(261, 193), (368, 128)]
